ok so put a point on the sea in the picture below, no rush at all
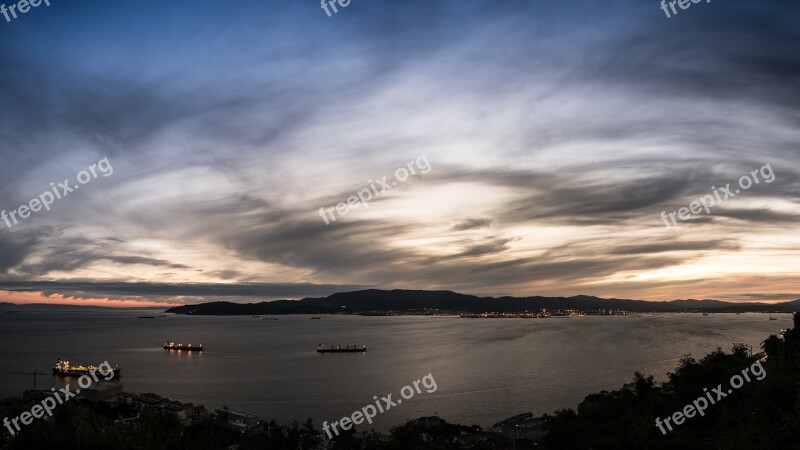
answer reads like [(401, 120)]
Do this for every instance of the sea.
[(484, 370)]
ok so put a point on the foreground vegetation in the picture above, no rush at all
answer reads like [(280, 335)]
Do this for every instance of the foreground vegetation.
[(759, 415)]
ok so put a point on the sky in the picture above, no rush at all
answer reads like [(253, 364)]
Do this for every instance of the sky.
[(545, 137)]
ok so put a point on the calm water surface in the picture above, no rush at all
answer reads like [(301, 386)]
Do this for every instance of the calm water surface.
[(486, 370)]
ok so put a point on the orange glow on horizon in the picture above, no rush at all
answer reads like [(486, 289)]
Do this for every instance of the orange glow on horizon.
[(27, 298)]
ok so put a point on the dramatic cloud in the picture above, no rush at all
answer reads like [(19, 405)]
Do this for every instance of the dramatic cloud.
[(556, 135)]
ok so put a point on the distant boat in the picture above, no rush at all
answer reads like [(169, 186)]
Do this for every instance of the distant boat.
[(339, 349), (186, 347), (147, 317), (162, 315), (63, 368), (268, 318), (316, 318), (772, 318), (705, 314)]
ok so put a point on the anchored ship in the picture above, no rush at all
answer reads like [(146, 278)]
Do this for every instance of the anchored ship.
[(187, 347), (339, 349), (63, 368)]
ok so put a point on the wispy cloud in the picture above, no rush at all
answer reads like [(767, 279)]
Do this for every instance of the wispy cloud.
[(558, 135)]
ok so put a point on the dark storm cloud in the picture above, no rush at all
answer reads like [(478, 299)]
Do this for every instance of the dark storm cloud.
[(760, 215), (143, 260), (14, 249), (165, 291), (739, 51), (40, 251), (600, 203), (574, 198), (493, 246), (228, 274), (107, 112), (341, 248), (474, 248), (514, 274), (676, 246), (471, 224), (569, 270), (62, 254), (116, 113)]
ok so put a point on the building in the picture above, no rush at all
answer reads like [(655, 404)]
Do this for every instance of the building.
[(187, 413), (426, 423), (143, 401), (102, 392), (523, 426), (238, 420)]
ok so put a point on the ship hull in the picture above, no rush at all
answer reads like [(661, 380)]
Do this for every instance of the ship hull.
[(341, 350), (184, 348), (78, 373)]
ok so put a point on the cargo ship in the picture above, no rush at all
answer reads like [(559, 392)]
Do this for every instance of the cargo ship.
[(63, 368), (339, 349), (186, 347)]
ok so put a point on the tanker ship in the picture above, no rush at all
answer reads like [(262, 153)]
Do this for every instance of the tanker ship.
[(63, 368), (186, 347), (339, 349)]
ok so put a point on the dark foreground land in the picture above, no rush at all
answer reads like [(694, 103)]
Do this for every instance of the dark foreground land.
[(761, 414)]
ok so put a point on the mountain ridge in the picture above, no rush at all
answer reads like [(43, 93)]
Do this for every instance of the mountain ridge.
[(402, 300)]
